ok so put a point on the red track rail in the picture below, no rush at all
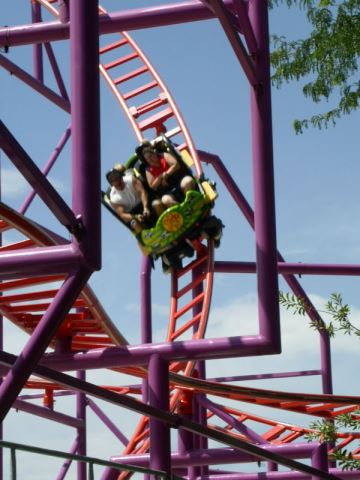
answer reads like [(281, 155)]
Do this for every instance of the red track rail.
[(321, 405), (87, 324)]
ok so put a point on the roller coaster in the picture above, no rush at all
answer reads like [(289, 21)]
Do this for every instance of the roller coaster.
[(185, 425)]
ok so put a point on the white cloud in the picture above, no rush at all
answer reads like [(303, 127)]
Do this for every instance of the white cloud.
[(13, 184), (237, 317), (240, 317)]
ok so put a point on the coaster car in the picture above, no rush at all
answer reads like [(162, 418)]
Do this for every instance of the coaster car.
[(173, 234)]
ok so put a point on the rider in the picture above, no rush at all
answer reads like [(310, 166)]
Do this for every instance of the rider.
[(126, 195), (165, 176)]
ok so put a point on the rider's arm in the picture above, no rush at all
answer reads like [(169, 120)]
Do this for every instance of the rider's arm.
[(139, 187), (125, 216), (154, 182), (173, 165)]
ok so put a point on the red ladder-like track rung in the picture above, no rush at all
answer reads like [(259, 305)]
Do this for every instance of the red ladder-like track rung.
[(121, 60), (130, 75), (113, 46), (140, 90), (148, 106)]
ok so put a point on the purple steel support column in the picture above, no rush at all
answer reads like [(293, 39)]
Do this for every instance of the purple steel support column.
[(145, 305), (195, 471), (263, 171), (47, 168), (159, 397), (199, 410), (185, 446), (325, 354), (81, 434), (39, 340), (110, 474), (37, 48), (85, 119), (146, 318), (319, 459)]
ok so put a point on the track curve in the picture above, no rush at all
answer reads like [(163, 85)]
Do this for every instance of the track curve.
[(88, 329)]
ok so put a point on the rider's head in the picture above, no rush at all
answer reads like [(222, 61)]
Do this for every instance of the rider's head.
[(149, 153), (115, 176)]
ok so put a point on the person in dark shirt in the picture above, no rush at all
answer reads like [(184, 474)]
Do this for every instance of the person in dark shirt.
[(165, 176)]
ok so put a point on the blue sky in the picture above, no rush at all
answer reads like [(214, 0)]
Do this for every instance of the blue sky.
[(317, 194)]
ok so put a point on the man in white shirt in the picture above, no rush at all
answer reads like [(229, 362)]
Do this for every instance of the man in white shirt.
[(127, 192)]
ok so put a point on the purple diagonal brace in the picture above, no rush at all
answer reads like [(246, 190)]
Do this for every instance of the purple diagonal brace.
[(106, 420), (245, 61), (64, 13), (58, 149), (33, 175), (240, 427), (241, 10), (34, 83), (85, 119), (66, 465), (159, 397), (56, 71)]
